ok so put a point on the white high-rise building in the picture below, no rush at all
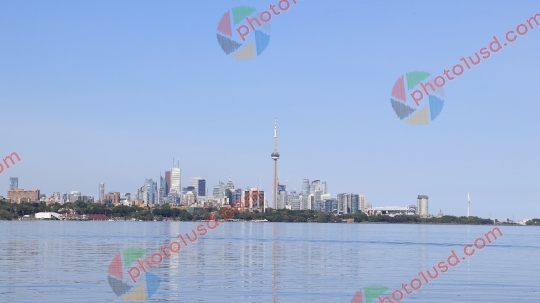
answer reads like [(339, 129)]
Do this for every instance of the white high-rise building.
[(315, 186), (282, 199), (175, 181), (324, 188), (305, 187), (363, 204), (423, 206)]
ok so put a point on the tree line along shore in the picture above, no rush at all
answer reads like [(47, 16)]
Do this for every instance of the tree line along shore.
[(81, 210)]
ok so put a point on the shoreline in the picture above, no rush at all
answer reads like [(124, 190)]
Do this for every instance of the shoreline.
[(245, 221)]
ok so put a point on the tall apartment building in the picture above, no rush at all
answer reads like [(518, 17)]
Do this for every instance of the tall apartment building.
[(342, 201), (423, 205), (13, 183), (355, 203), (364, 206), (101, 192)]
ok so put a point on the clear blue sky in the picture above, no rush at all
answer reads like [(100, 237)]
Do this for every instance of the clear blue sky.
[(111, 91)]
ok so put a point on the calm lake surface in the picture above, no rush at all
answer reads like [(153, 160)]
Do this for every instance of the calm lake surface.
[(44, 261)]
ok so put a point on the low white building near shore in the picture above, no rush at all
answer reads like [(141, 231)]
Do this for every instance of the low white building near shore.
[(48, 216)]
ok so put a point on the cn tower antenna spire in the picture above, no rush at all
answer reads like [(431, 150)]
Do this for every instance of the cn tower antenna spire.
[(275, 134)]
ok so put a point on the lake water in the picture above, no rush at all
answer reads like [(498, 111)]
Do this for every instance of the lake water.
[(44, 261)]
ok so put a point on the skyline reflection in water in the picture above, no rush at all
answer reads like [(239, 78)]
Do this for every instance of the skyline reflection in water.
[(267, 262)]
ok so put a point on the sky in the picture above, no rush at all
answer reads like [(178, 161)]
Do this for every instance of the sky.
[(112, 91)]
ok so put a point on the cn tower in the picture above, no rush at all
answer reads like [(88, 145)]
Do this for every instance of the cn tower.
[(275, 157)]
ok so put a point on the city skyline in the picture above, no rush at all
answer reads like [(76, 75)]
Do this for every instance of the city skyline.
[(313, 196), (173, 179), (171, 186)]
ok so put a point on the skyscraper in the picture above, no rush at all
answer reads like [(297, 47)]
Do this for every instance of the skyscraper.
[(199, 184), (304, 201), (175, 181), (236, 196), (13, 183), (305, 187), (282, 200), (219, 190), (324, 188), (344, 203), (316, 192), (355, 203), (364, 206), (229, 191), (315, 186), (423, 205), (101, 192), (162, 191), (149, 191), (275, 157), (167, 182), (202, 187)]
